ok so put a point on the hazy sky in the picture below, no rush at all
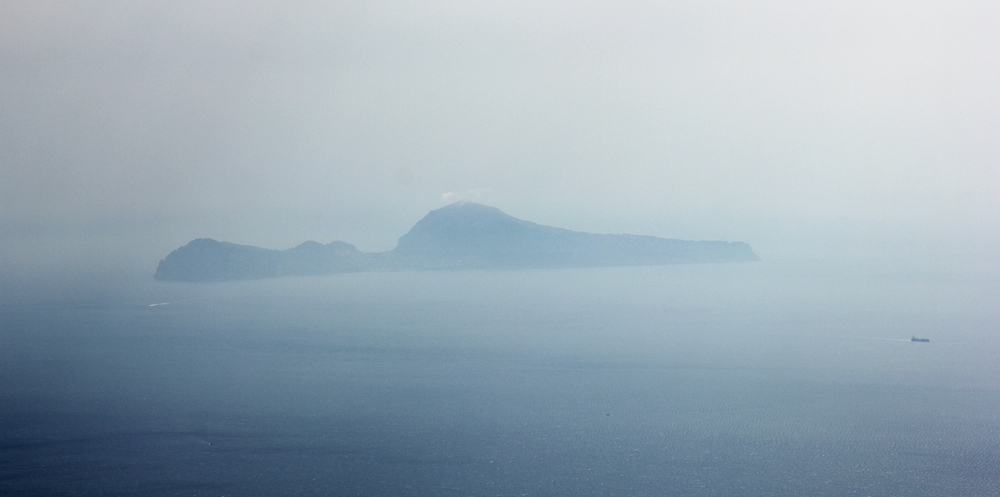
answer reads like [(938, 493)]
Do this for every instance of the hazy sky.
[(128, 128)]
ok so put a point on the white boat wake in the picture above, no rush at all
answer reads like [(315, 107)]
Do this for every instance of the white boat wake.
[(166, 303)]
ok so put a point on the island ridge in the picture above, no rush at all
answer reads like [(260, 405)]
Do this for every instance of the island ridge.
[(463, 235)]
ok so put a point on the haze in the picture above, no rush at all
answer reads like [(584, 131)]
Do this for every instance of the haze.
[(127, 129), (852, 145)]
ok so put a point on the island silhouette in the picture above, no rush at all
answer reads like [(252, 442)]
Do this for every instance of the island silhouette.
[(463, 235)]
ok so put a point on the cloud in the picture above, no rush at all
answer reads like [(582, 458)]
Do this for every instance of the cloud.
[(472, 194)]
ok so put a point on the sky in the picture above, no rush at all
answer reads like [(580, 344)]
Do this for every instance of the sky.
[(841, 127)]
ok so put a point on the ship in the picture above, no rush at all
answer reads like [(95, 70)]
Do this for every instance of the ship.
[(915, 339)]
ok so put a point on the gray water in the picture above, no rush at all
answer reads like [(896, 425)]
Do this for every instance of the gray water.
[(762, 379)]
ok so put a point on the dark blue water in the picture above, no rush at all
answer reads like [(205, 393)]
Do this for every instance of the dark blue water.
[(762, 379)]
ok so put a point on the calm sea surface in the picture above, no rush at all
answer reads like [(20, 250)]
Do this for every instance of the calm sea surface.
[(794, 378)]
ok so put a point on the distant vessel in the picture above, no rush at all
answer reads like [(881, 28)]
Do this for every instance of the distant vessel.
[(915, 339)]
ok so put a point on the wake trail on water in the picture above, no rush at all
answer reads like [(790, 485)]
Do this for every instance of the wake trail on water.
[(167, 303)]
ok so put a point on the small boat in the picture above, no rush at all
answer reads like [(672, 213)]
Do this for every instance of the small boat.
[(915, 339)]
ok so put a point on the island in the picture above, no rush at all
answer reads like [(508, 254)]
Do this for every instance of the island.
[(463, 235)]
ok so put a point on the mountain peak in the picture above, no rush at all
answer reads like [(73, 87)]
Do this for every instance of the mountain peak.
[(467, 226)]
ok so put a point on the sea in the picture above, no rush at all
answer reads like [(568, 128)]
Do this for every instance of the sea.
[(773, 378)]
